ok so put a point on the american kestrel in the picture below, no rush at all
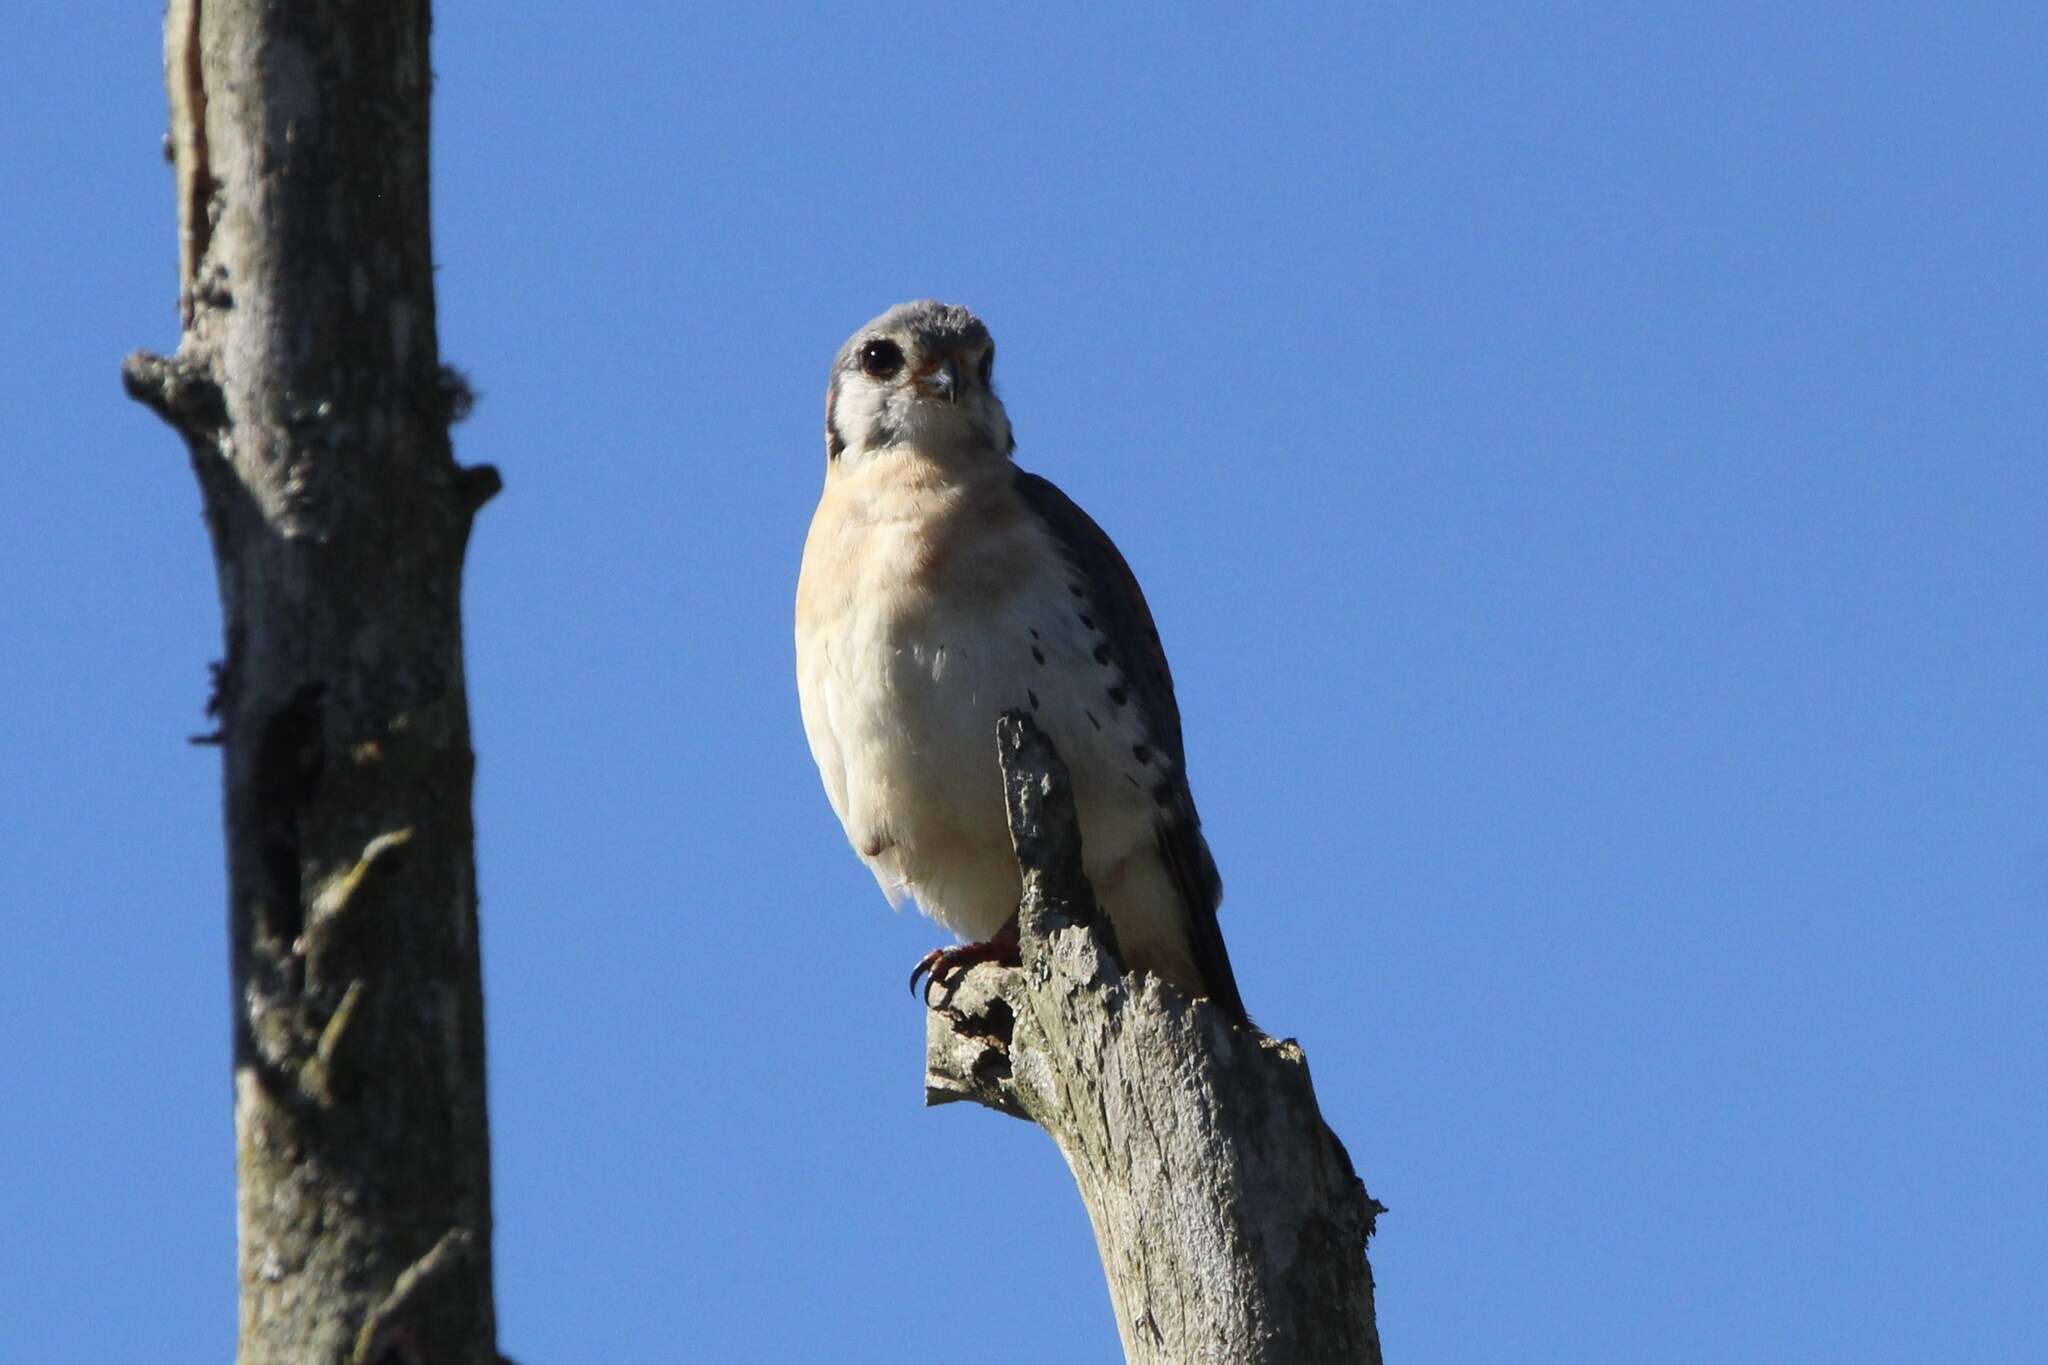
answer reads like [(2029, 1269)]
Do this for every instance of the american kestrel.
[(942, 586)]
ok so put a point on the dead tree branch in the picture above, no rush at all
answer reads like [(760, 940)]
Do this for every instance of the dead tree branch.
[(308, 388), (1230, 1223)]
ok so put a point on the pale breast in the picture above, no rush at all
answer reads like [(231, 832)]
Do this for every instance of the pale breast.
[(923, 613)]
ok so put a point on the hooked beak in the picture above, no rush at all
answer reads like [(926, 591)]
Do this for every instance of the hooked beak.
[(943, 379)]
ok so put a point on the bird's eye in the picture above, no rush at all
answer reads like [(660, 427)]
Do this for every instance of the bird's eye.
[(879, 359), (988, 364)]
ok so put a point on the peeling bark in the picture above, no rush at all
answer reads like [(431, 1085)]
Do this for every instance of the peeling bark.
[(308, 388), (1231, 1225)]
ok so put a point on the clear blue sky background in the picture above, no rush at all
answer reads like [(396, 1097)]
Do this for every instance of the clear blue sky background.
[(1587, 463)]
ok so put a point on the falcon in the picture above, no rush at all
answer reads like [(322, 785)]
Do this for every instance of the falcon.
[(941, 586)]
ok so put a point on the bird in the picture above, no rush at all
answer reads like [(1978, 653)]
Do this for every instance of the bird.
[(942, 585)]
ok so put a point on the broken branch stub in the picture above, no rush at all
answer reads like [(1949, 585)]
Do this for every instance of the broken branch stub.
[(1229, 1220)]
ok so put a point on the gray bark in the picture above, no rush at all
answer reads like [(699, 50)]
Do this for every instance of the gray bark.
[(308, 388), (1230, 1223)]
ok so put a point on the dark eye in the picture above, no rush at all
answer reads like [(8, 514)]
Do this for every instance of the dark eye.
[(988, 364), (880, 359)]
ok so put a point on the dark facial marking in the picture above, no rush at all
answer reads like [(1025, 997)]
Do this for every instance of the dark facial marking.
[(988, 364), (835, 442), (986, 435)]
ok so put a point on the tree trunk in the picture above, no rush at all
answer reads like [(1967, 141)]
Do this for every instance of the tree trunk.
[(1231, 1225), (308, 387)]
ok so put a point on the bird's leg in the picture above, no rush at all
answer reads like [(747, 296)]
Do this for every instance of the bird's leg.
[(939, 965)]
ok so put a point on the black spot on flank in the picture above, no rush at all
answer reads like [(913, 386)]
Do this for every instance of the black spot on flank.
[(1091, 719), (1034, 698), (1102, 654), (1118, 696), (1163, 792), (1037, 654), (1087, 621), (1134, 783), (1141, 752), (1033, 630), (1077, 590)]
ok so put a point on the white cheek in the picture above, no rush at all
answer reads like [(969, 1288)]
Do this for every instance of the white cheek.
[(856, 410), (865, 407)]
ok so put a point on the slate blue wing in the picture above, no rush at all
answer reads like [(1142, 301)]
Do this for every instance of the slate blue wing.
[(1117, 605)]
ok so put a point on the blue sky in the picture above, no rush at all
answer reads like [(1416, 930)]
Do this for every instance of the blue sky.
[(1586, 463)]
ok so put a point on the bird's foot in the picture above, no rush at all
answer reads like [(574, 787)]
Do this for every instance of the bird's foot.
[(939, 966)]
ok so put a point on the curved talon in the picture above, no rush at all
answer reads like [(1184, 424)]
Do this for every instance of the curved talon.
[(926, 966), (940, 965)]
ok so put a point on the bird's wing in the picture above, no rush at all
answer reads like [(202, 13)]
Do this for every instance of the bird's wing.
[(1118, 606)]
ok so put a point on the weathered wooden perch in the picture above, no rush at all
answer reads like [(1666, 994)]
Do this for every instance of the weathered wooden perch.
[(1231, 1225)]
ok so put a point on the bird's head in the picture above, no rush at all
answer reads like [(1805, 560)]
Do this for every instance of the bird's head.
[(921, 374)]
